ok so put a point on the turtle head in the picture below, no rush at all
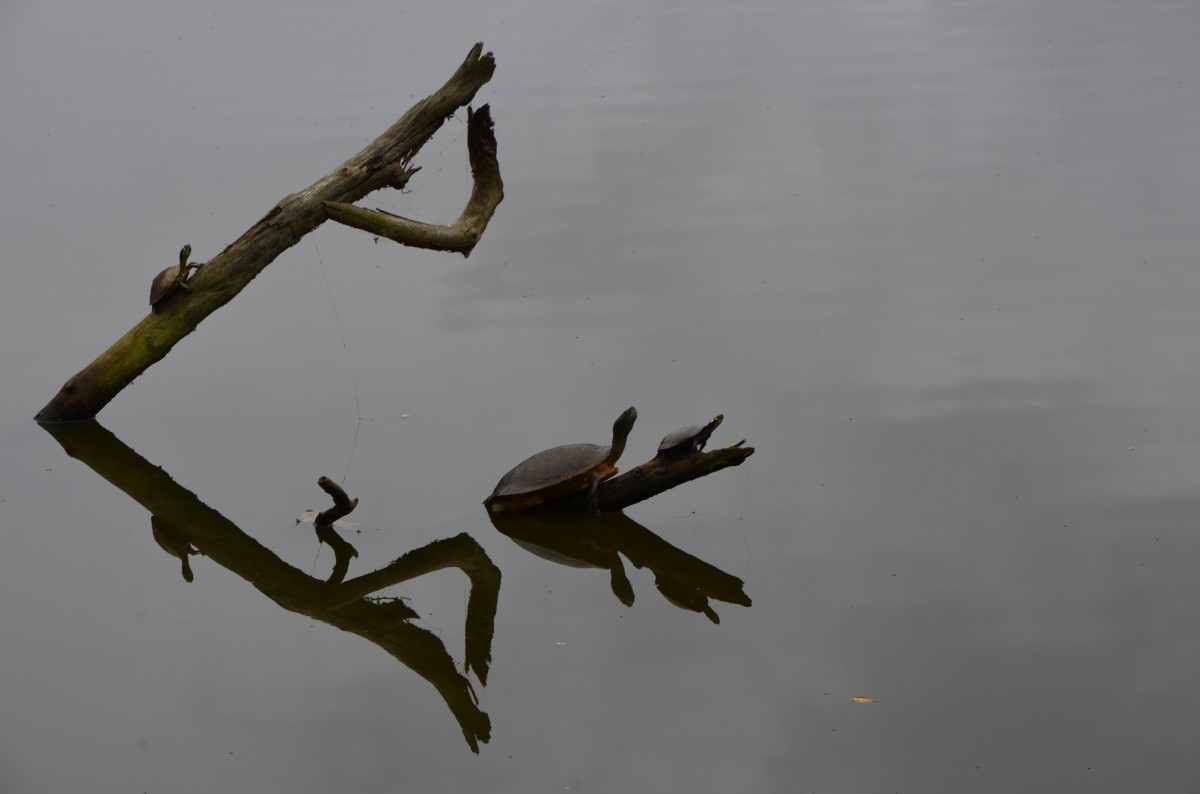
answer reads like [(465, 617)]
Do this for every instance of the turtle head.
[(184, 253), (716, 420), (622, 426)]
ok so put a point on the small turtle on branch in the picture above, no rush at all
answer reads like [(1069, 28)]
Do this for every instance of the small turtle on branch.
[(686, 442), (172, 280)]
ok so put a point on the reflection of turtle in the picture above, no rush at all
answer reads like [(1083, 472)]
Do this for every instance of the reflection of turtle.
[(684, 442), (685, 596), (171, 280), (174, 544), (562, 471), (571, 541)]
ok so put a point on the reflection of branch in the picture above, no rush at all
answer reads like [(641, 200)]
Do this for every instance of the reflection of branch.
[(384, 624), (460, 552), (343, 552), (684, 580)]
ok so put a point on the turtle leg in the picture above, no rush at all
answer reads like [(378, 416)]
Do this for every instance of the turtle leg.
[(593, 495), (619, 581), (187, 272)]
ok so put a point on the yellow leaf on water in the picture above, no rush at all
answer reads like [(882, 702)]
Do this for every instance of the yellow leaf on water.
[(863, 700)]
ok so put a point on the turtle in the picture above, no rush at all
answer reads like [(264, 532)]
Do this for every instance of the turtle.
[(560, 472), (171, 280), (685, 442)]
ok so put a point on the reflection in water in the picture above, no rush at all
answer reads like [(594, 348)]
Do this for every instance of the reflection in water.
[(173, 543), (325, 522), (572, 541), (600, 542), (343, 552), (184, 526)]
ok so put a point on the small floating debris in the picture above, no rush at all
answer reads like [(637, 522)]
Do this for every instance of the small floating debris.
[(309, 516)]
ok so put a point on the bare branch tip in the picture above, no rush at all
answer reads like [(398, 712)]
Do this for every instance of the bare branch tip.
[(477, 55)]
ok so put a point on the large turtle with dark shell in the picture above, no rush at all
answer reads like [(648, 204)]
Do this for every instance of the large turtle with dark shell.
[(685, 442), (171, 280), (561, 472)]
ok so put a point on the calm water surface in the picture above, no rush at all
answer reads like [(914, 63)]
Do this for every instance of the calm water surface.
[(935, 261)]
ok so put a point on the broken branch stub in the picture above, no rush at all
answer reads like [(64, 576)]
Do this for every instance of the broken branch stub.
[(385, 162), (343, 505)]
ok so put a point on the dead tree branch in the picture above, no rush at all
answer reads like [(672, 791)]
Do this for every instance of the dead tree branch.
[(645, 481), (385, 162), (343, 505), (464, 233)]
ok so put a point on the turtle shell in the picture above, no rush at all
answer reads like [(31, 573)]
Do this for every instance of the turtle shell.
[(679, 438), (690, 438), (552, 474), (170, 280), (560, 472), (165, 285)]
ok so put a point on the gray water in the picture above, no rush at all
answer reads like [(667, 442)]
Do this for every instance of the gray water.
[(935, 261)]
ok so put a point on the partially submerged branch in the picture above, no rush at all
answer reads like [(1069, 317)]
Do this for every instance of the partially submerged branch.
[(385, 162), (343, 551)]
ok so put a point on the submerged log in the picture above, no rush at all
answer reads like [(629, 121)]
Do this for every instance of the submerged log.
[(385, 162)]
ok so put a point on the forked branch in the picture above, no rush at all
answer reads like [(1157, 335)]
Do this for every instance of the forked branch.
[(464, 233)]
